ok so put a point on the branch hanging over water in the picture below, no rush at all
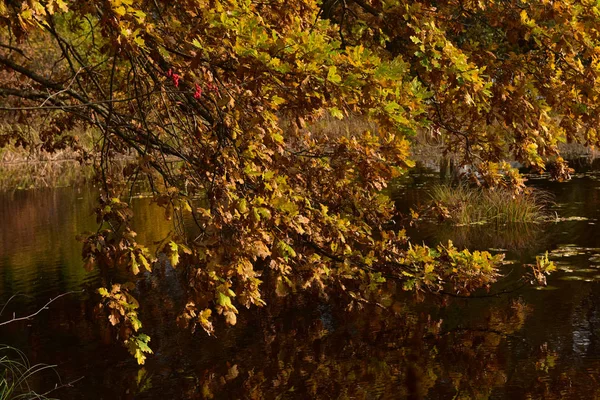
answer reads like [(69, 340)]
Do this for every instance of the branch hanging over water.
[(45, 307)]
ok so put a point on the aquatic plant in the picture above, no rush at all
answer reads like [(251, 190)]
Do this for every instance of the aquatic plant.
[(466, 205), (16, 374)]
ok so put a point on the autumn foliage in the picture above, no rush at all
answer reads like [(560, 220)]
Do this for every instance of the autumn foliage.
[(215, 100)]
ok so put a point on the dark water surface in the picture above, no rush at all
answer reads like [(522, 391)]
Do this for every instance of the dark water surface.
[(528, 343)]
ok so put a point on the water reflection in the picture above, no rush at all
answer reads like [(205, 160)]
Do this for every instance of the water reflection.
[(290, 352), (527, 344)]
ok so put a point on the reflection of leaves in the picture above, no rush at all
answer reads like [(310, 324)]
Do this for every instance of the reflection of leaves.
[(508, 237), (232, 373), (547, 359), (382, 355), (546, 288), (143, 381)]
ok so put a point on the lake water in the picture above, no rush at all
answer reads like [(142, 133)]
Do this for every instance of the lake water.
[(527, 343)]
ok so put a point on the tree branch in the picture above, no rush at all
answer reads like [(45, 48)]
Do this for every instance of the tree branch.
[(45, 307)]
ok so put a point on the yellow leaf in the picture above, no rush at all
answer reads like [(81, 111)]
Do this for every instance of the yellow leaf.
[(277, 100), (120, 11), (135, 268)]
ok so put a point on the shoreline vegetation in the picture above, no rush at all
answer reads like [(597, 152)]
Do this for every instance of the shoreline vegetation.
[(463, 205), (29, 174), (33, 168), (26, 164)]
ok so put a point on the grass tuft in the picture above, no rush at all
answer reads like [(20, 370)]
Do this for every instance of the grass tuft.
[(16, 374), (464, 205)]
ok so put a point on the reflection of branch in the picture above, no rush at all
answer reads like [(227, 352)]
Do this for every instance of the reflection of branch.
[(63, 385), (483, 330), (45, 307), (488, 295)]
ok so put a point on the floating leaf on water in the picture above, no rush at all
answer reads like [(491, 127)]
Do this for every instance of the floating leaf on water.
[(494, 249), (566, 253), (595, 259), (572, 278), (573, 218), (473, 223), (562, 262), (565, 268), (545, 288), (568, 250), (586, 270)]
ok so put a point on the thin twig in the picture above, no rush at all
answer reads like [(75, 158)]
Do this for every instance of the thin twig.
[(45, 307), (9, 300)]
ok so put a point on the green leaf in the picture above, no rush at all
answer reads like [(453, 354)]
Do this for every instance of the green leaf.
[(336, 112), (332, 75), (223, 300), (137, 346), (135, 322)]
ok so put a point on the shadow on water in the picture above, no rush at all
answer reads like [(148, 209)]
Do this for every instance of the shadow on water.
[(526, 344)]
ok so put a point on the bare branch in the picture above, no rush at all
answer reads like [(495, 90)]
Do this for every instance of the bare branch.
[(45, 307)]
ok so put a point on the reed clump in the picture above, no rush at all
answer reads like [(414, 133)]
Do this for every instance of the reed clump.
[(465, 205)]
